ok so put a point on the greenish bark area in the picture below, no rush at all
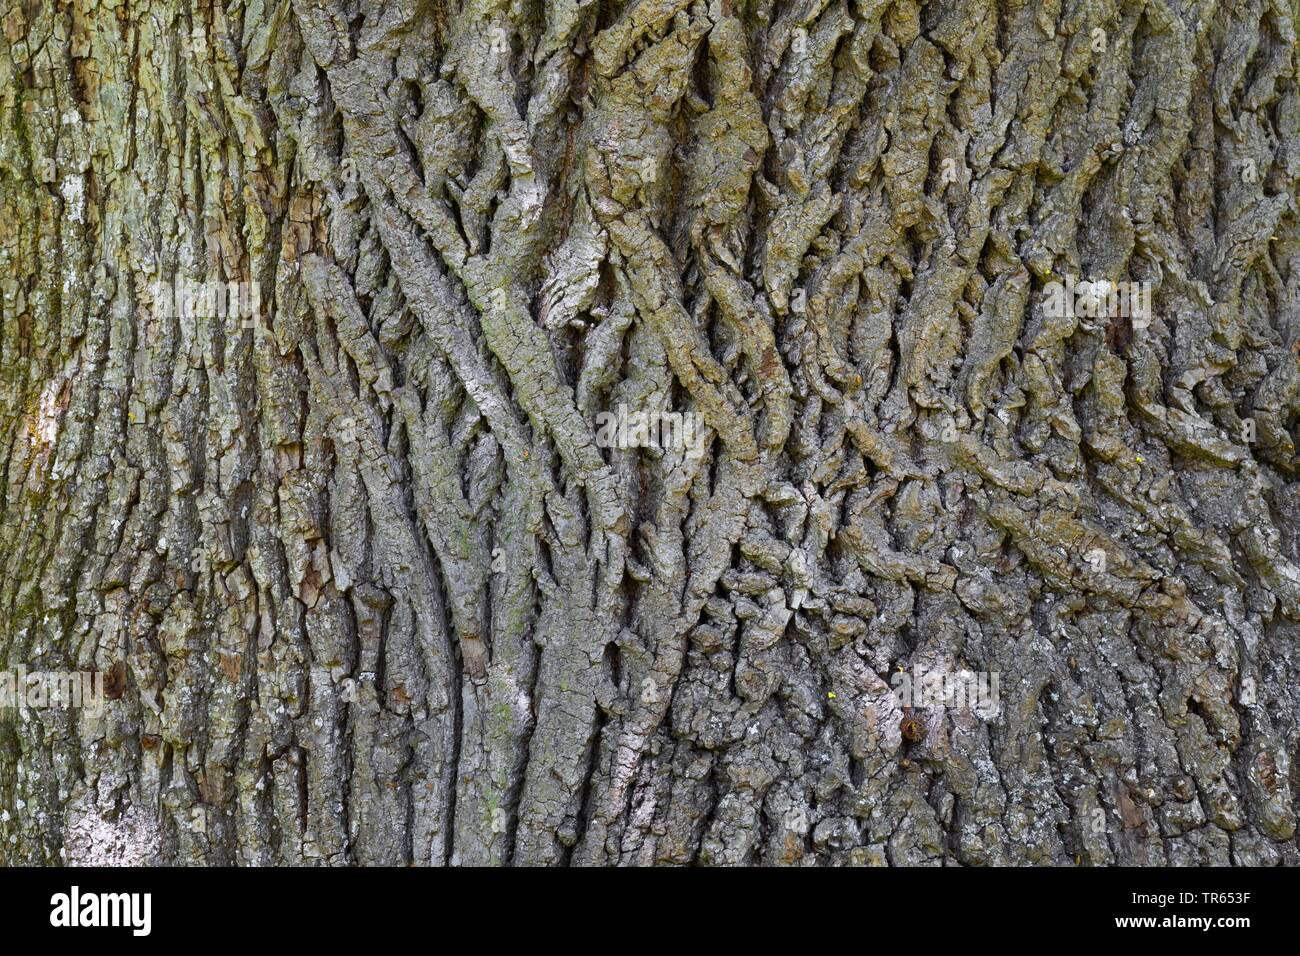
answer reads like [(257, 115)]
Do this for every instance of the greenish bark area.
[(368, 584)]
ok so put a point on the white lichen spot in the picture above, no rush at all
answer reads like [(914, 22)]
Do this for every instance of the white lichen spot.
[(74, 194), (132, 839), (48, 413)]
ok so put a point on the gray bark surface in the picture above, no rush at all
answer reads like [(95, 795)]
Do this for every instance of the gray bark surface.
[(367, 589)]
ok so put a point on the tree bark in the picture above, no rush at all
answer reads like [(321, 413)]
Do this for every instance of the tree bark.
[(369, 585)]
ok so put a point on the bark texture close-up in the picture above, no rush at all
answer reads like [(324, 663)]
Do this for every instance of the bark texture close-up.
[(368, 577)]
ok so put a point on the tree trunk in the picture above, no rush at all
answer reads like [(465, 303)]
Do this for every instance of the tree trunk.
[(631, 403)]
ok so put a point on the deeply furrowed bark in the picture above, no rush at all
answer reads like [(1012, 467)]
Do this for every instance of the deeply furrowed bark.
[(369, 590)]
